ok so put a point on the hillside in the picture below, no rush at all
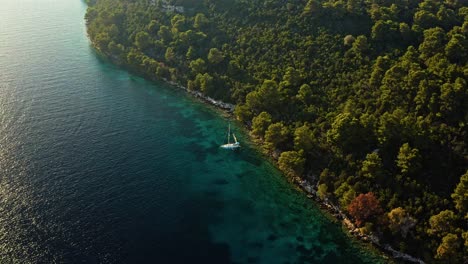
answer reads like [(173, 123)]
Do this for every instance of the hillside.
[(367, 99)]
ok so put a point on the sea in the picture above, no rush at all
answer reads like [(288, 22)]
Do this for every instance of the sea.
[(101, 166)]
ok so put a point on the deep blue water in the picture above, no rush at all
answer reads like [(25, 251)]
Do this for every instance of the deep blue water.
[(99, 166)]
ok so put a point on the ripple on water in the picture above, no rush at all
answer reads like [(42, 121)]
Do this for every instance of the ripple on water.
[(99, 166)]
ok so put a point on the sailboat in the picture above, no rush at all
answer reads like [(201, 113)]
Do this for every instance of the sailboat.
[(230, 145)]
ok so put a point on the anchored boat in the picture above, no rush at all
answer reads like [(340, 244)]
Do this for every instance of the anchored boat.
[(230, 145)]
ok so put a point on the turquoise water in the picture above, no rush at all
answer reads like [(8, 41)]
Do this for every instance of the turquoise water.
[(99, 166)]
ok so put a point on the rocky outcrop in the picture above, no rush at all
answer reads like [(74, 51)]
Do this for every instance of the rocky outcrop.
[(225, 106), (348, 224)]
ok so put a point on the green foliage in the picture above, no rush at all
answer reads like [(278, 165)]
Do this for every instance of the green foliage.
[(372, 166), (178, 22), (266, 98), (206, 83), (322, 191), (460, 195), (304, 139), (169, 55), (345, 194), (142, 40), (291, 162), (312, 7), (260, 124), (198, 66), (373, 94), (200, 21), (349, 40), (215, 56), (400, 221), (276, 136), (408, 159), (347, 133), (441, 223), (165, 34), (448, 249)]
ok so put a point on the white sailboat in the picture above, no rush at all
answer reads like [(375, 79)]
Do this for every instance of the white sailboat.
[(230, 145)]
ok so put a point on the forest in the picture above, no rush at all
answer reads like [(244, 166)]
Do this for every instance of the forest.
[(366, 99)]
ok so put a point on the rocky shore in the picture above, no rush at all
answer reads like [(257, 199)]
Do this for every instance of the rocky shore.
[(325, 204), (305, 185), (220, 104)]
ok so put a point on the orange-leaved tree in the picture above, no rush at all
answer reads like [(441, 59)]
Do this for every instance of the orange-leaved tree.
[(364, 207)]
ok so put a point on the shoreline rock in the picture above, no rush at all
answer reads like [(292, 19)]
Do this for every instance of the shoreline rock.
[(334, 210), (305, 185), (224, 106)]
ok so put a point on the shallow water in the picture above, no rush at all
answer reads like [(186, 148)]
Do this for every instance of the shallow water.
[(99, 166)]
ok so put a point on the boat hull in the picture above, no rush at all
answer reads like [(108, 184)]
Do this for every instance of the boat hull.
[(231, 146)]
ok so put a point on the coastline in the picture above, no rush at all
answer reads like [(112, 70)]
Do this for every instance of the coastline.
[(303, 184)]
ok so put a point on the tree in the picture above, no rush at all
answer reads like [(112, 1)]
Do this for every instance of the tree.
[(447, 17), (169, 55), (165, 34), (425, 19), (322, 191), (153, 27), (292, 163), (200, 21), (456, 49), (465, 242), (326, 176), (312, 7), (178, 22), (243, 113), (372, 166), (305, 94), (102, 41), (385, 30), (405, 31), (378, 71), (441, 223), (215, 56), (163, 72), (198, 66), (449, 248), (460, 195), (400, 221), (266, 98), (260, 124), (355, 6), (349, 40), (434, 42), (117, 49), (363, 208), (303, 138), (345, 194), (373, 90), (191, 53), (206, 83), (408, 159), (276, 136), (347, 133), (361, 45), (292, 77)]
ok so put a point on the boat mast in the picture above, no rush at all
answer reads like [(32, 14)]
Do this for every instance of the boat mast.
[(229, 133)]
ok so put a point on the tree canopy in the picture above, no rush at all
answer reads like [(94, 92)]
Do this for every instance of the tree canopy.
[(370, 95)]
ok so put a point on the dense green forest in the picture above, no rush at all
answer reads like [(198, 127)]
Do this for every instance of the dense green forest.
[(367, 99)]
